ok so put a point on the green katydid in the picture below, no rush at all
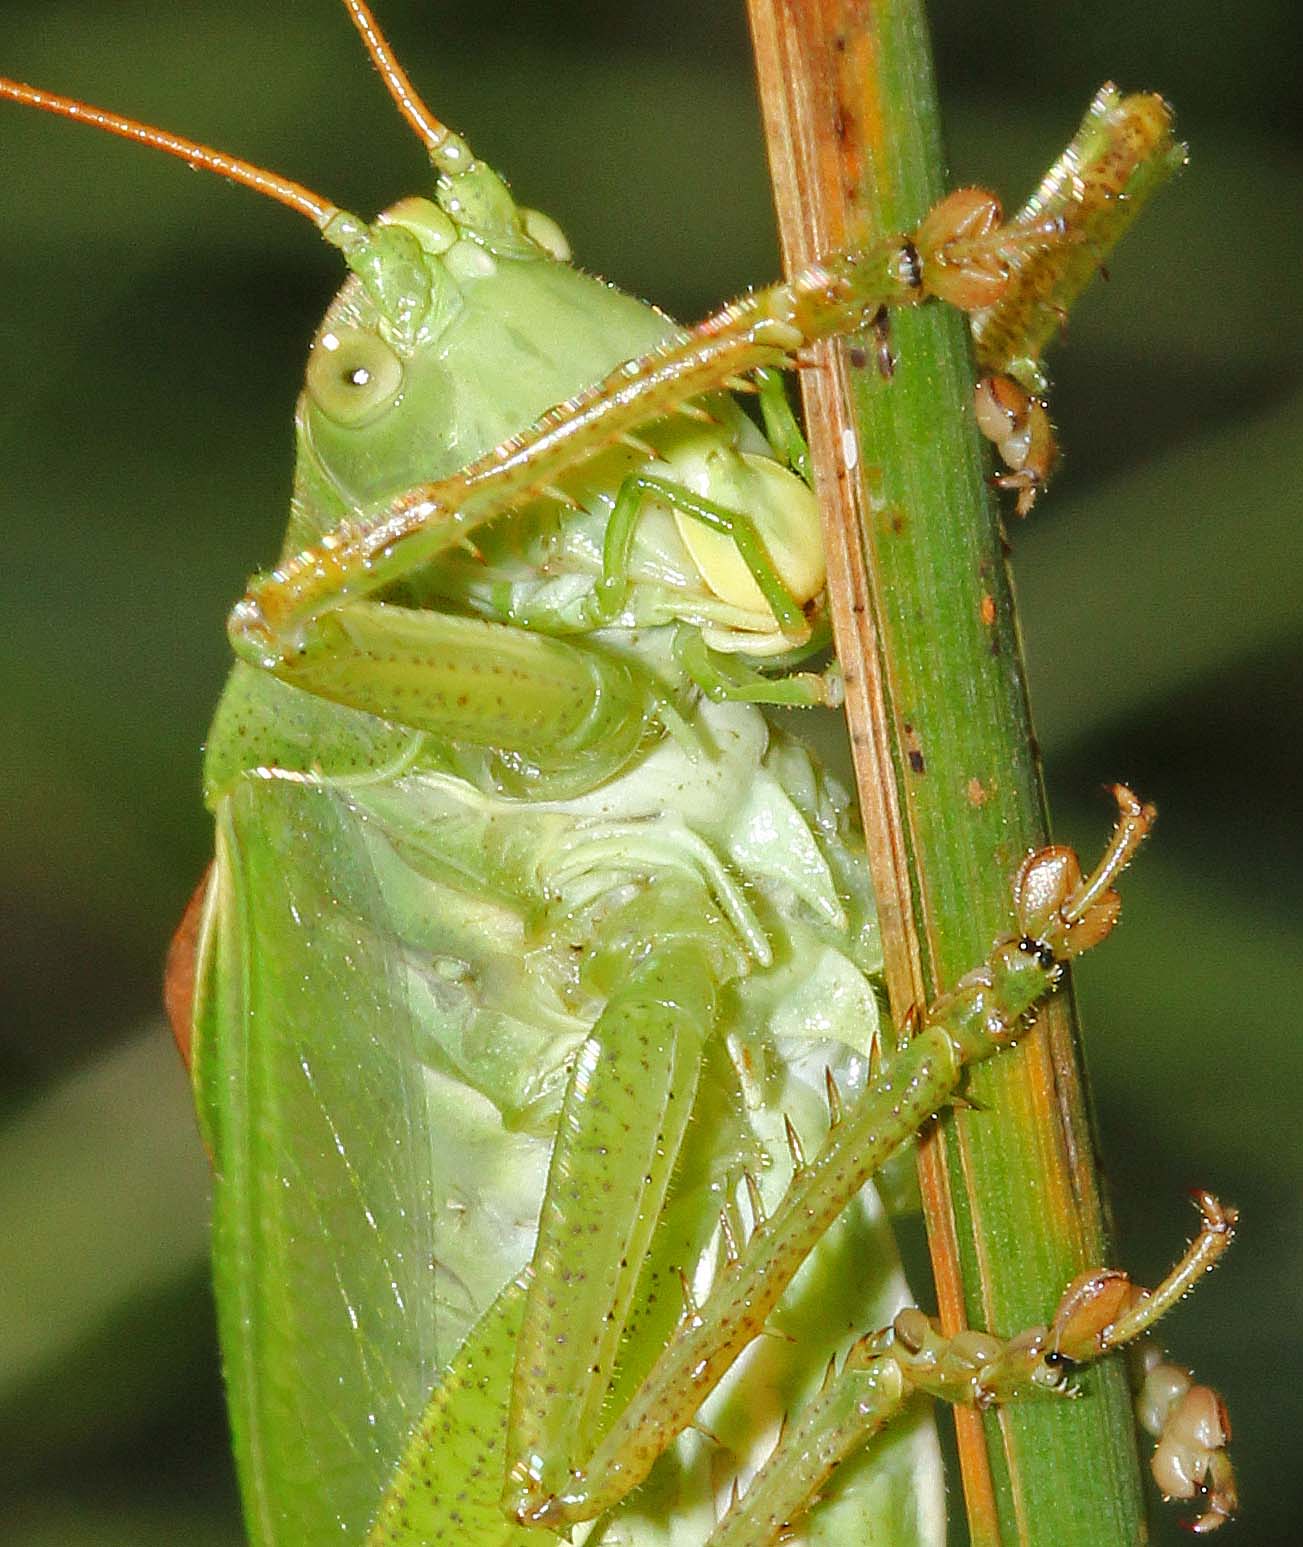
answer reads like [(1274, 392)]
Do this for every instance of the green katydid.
[(531, 948)]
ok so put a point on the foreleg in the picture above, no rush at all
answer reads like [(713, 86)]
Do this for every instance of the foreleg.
[(775, 567)]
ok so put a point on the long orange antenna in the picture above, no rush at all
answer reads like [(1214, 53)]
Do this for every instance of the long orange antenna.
[(398, 83), (294, 195)]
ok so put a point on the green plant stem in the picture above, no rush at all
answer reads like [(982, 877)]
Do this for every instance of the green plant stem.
[(946, 760)]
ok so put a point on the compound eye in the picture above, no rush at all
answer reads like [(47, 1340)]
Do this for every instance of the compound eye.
[(353, 376)]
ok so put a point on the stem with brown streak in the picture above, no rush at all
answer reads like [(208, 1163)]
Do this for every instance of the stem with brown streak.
[(946, 762)]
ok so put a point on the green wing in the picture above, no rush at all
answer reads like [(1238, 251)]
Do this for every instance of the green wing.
[(377, 1076), (314, 1105)]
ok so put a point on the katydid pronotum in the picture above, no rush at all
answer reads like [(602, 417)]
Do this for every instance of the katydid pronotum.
[(532, 949)]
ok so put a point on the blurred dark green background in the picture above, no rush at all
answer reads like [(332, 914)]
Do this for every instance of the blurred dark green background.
[(154, 325)]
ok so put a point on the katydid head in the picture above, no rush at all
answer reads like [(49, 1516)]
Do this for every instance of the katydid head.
[(386, 401)]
